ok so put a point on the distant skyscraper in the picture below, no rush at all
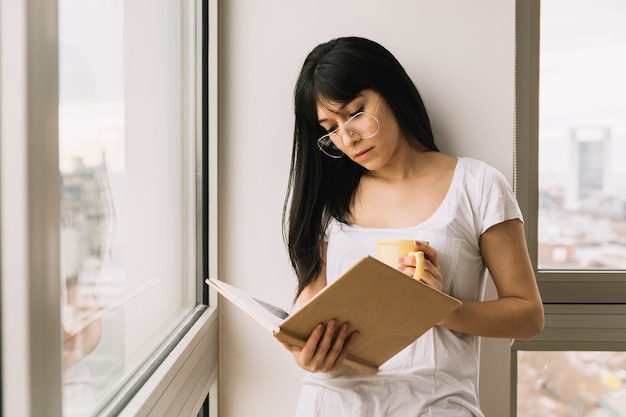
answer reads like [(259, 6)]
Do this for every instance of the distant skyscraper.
[(589, 147)]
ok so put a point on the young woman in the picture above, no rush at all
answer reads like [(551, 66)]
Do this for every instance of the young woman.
[(365, 166)]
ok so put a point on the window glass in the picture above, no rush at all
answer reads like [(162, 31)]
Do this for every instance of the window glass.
[(582, 135), (566, 384), (127, 194)]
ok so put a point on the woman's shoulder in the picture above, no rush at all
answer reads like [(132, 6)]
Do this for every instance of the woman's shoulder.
[(439, 164), (480, 179), (473, 165), (478, 169)]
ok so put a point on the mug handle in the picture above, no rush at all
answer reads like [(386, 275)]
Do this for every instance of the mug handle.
[(419, 264)]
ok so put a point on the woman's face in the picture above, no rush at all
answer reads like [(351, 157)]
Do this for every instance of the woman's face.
[(371, 152)]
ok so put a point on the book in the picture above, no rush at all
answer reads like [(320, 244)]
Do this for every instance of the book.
[(72, 328), (388, 308)]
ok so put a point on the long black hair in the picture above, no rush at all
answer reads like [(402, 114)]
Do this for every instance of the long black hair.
[(322, 188)]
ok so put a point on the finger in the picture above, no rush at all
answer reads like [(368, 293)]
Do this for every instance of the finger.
[(311, 345), (432, 277), (407, 270), (337, 346), (345, 350), (290, 347), (326, 341), (338, 351), (429, 280), (429, 252), (406, 261), (408, 266)]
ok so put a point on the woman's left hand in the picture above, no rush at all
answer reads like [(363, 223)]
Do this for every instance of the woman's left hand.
[(432, 272)]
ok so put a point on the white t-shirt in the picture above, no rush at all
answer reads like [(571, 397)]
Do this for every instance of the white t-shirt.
[(437, 375)]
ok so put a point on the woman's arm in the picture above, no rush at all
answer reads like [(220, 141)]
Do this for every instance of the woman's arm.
[(315, 286), (78, 345), (328, 344), (518, 311)]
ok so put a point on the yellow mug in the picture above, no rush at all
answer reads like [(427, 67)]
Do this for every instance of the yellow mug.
[(389, 250)]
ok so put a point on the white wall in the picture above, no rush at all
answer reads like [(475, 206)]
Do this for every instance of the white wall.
[(461, 56)]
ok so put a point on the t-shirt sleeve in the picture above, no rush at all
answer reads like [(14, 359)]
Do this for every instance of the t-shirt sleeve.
[(498, 203)]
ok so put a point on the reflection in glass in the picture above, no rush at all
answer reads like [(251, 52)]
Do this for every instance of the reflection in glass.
[(127, 187), (87, 222), (582, 138), (571, 384), (91, 160)]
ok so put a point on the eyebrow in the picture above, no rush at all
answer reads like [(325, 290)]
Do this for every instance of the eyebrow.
[(343, 106)]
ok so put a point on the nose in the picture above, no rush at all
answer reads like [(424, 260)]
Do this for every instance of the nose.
[(348, 136)]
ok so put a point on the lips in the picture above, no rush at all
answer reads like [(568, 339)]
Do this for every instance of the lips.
[(363, 153)]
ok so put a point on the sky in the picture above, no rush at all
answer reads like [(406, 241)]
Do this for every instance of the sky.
[(582, 59)]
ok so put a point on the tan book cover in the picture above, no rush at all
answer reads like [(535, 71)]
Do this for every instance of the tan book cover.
[(388, 308)]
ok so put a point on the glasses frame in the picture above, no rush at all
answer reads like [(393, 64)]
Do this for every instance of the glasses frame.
[(328, 136)]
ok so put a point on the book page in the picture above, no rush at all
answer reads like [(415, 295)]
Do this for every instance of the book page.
[(276, 311), (266, 314)]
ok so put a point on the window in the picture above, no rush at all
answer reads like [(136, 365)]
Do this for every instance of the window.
[(104, 194), (573, 383), (127, 161), (571, 142), (570, 137)]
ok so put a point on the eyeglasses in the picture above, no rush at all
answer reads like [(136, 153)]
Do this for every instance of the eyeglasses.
[(362, 125)]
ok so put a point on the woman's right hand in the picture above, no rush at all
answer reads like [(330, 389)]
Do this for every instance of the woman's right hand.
[(325, 349)]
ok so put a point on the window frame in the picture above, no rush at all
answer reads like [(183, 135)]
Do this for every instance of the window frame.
[(188, 374), (184, 369), (29, 152), (584, 310)]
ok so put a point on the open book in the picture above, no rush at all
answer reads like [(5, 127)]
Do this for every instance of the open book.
[(388, 308)]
